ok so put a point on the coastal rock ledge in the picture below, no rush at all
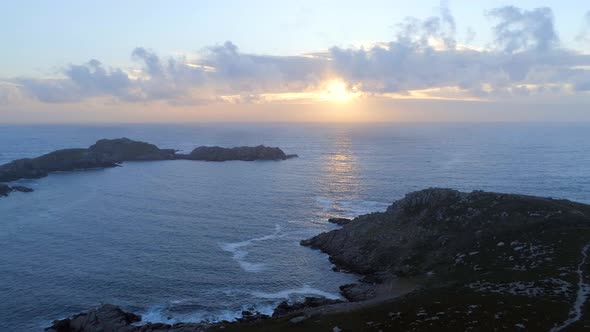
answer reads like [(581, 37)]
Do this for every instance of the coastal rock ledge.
[(112, 152), (6, 189), (110, 318)]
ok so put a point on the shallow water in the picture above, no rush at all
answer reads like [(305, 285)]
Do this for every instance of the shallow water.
[(187, 240)]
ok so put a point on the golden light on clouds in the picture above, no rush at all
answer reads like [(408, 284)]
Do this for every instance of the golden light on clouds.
[(337, 90), (332, 91)]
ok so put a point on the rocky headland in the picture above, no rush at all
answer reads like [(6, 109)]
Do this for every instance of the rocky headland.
[(112, 152), (484, 262)]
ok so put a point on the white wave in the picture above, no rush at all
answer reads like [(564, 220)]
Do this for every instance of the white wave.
[(288, 293), (239, 254), (160, 314)]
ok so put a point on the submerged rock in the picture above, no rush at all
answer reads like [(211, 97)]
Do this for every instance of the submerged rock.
[(340, 221)]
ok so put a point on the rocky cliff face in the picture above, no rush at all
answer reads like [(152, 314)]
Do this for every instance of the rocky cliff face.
[(426, 229)]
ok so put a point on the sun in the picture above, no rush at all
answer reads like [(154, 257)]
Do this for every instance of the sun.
[(337, 91)]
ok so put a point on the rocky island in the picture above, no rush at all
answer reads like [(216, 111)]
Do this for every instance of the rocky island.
[(484, 262), (112, 152)]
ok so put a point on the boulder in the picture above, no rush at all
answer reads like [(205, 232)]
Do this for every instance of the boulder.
[(251, 316), (358, 292), (287, 307), (340, 221), (106, 318), (4, 189)]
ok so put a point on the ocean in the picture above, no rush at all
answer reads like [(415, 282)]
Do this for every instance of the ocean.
[(190, 240)]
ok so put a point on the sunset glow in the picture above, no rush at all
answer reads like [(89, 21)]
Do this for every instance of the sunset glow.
[(337, 91), (530, 58)]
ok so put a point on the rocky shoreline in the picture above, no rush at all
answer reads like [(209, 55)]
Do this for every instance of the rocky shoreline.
[(6, 189), (487, 261), (107, 153)]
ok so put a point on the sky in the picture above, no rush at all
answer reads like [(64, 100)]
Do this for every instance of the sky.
[(296, 61)]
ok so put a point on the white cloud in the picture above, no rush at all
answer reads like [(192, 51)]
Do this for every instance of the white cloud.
[(424, 59)]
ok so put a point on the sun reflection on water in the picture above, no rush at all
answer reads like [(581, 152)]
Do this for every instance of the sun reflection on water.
[(340, 181)]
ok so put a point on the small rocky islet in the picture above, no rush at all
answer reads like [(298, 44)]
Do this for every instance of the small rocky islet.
[(483, 261), (107, 153)]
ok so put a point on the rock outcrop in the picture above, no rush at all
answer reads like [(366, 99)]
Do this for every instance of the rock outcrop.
[(245, 153), (123, 149), (6, 189), (111, 152), (426, 229), (287, 308), (110, 318), (105, 318), (340, 221)]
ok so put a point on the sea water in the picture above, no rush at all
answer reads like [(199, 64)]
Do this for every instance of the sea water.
[(191, 240)]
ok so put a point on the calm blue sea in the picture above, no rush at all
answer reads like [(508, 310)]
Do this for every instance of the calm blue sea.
[(188, 240)]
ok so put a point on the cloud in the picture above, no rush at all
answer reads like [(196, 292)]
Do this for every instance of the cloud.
[(584, 35), (425, 55), (91, 79), (424, 59), (523, 30)]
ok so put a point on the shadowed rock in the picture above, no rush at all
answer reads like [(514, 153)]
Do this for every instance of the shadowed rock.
[(107, 318), (124, 149), (340, 221), (428, 227), (60, 160), (245, 153), (286, 308), (110, 318), (6, 189)]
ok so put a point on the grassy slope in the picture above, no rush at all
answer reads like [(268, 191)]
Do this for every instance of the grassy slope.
[(514, 280)]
